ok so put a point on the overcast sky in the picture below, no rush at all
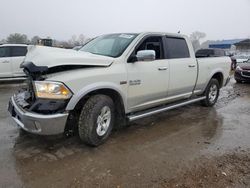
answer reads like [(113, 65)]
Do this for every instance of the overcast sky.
[(60, 19)]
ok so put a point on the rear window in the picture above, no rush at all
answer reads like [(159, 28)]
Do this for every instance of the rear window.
[(18, 51), (176, 48), (204, 53), (210, 53), (219, 53)]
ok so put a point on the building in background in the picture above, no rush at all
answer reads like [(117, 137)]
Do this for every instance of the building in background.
[(243, 45), (45, 42), (224, 44), (232, 46)]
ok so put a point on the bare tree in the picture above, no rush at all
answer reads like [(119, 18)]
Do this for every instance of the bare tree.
[(195, 37), (17, 38), (73, 41), (2, 41), (81, 39), (34, 39)]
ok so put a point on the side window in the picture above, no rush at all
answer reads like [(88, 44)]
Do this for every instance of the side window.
[(4, 52), (18, 51), (176, 48), (152, 43)]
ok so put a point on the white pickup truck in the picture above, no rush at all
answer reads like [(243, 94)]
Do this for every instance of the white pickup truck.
[(112, 80), (11, 57)]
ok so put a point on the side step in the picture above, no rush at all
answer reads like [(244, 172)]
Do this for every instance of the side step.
[(153, 111), (12, 80)]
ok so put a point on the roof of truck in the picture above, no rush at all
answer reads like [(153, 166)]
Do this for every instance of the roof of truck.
[(151, 33), (163, 33)]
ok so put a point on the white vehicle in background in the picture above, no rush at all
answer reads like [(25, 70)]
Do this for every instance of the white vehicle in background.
[(11, 56)]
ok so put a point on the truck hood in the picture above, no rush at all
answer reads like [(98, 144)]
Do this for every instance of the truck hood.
[(54, 57)]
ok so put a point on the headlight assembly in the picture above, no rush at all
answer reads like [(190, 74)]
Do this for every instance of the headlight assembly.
[(51, 90)]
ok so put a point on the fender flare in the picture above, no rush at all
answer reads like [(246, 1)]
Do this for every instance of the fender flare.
[(93, 87), (218, 70)]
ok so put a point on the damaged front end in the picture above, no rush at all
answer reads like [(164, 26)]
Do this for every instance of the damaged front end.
[(39, 115), (27, 98), (40, 107)]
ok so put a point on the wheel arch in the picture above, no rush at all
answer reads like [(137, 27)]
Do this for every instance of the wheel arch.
[(77, 101), (218, 76), (100, 88)]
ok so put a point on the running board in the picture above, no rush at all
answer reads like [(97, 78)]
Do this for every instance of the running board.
[(13, 79), (153, 111)]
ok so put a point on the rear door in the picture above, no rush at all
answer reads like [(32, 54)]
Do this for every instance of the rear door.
[(18, 54), (183, 68), (5, 64)]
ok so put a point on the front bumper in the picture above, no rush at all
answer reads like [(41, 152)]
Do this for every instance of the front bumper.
[(37, 123), (239, 75)]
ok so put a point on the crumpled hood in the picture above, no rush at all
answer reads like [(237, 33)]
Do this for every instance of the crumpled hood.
[(53, 57)]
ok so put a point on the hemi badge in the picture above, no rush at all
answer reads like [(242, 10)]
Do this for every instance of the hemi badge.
[(123, 82)]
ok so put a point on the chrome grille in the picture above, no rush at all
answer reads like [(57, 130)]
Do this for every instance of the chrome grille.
[(246, 73)]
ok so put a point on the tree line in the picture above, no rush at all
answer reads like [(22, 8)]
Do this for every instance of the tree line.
[(18, 38)]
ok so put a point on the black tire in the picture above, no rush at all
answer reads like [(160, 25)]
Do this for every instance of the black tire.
[(211, 101), (238, 81), (87, 125)]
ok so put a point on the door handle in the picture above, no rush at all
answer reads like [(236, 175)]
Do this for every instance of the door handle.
[(191, 65), (6, 61), (162, 68)]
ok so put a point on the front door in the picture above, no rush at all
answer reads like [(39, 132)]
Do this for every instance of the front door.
[(148, 80)]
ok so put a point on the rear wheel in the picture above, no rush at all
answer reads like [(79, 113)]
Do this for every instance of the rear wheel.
[(211, 93), (96, 120)]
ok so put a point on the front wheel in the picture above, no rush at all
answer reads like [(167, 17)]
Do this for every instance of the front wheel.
[(211, 93), (96, 120)]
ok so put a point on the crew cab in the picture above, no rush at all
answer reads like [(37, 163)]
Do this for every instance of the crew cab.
[(112, 80), (11, 57)]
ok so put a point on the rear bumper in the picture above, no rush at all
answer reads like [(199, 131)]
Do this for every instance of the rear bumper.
[(37, 123)]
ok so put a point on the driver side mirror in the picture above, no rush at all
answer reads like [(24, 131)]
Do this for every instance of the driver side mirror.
[(145, 55)]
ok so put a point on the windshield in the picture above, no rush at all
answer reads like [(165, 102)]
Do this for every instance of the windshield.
[(112, 45)]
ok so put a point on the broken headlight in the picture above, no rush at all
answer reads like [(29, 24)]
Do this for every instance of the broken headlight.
[(51, 90)]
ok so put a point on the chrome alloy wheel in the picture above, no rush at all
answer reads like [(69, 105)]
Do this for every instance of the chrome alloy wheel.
[(103, 121), (213, 92)]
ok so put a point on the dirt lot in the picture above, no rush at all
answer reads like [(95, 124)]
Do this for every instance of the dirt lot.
[(191, 146)]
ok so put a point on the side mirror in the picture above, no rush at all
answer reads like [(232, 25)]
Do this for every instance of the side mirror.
[(145, 55)]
